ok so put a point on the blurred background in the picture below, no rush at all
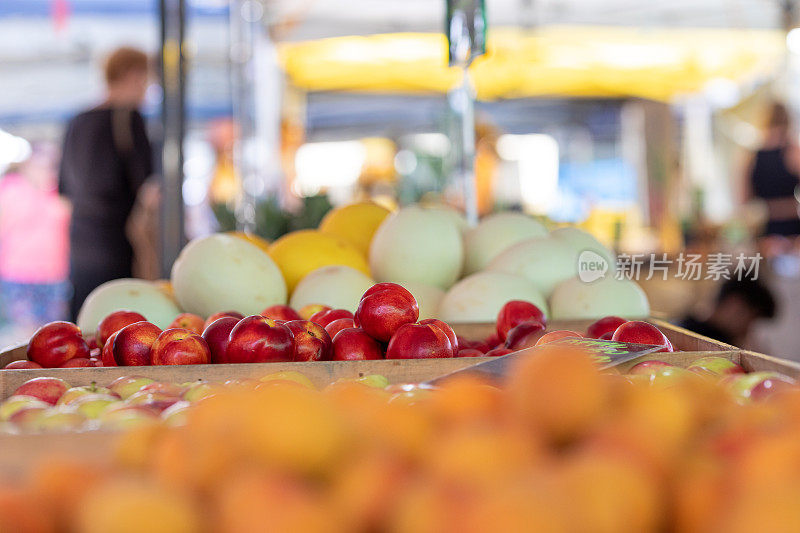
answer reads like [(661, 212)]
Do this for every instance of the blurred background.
[(636, 121)]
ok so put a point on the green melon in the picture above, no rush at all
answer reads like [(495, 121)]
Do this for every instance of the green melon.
[(545, 261), (479, 297), (336, 286), (575, 299), (428, 298), (223, 272), (138, 295), (417, 245), (495, 234)]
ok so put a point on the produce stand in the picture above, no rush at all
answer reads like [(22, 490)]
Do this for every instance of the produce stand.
[(689, 346), (21, 452)]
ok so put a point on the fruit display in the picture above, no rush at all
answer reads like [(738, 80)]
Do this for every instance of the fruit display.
[(558, 447), (50, 405), (386, 325), (456, 273)]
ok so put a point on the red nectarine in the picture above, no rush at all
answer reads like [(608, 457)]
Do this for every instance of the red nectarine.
[(55, 343)]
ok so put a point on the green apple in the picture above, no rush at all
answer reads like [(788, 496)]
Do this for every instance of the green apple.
[(58, 419), (128, 385), (374, 380), (715, 365), (93, 405), (158, 401), (409, 393), (371, 380), (198, 390), (76, 392), (18, 402), (26, 418), (175, 415), (126, 417), (669, 375), (757, 385)]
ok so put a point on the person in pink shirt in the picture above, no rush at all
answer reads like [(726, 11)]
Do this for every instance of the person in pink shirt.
[(34, 243)]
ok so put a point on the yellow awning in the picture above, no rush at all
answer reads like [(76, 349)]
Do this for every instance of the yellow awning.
[(581, 61)]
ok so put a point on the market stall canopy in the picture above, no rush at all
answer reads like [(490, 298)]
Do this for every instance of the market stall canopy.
[(577, 61)]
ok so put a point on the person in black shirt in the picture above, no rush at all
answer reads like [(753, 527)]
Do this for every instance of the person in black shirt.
[(773, 175), (105, 160), (738, 305)]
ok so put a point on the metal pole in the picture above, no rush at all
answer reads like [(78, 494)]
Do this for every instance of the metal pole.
[(462, 104), (173, 78), (466, 34), (245, 20)]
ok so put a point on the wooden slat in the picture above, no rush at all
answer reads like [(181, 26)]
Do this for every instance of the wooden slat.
[(686, 340), (756, 362), (681, 359), (13, 353)]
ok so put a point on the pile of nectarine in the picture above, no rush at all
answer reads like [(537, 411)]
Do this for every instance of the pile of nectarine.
[(560, 447), (385, 325), (521, 324)]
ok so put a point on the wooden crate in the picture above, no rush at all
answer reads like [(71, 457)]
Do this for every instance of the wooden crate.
[(22, 452)]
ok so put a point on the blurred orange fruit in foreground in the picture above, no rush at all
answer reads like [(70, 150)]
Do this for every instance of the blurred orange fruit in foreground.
[(561, 448)]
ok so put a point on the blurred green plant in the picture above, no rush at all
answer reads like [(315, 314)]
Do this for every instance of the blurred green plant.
[(272, 221)]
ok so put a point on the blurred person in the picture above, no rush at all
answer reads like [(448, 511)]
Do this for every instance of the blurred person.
[(773, 175), (106, 159), (738, 305), (34, 243)]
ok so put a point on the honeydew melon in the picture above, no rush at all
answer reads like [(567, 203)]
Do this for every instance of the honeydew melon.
[(479, 297), (417, 245), (450, 213), (580, 241), (138, 295), (221, 272), (336, 286), (428, 298), (545, 261), (496, 233), (576, 299)]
